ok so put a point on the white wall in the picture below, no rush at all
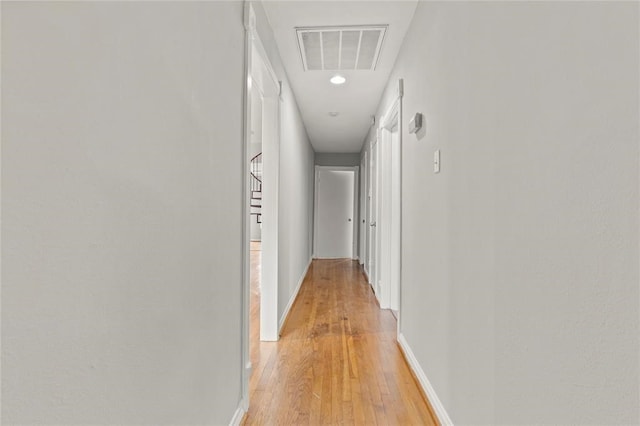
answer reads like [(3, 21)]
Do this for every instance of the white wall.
[(296, 179), (520, 259), (337, 159), (121, 213)]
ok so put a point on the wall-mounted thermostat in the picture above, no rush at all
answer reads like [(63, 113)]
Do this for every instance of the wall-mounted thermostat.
[(415, 123)]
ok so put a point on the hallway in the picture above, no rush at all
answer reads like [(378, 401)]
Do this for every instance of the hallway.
[(337, 361), (496, 207)]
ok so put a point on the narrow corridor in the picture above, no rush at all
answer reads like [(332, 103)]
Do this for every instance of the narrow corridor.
[(337, 361)]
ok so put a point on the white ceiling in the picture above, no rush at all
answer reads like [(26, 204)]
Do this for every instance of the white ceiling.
[(357, 99)]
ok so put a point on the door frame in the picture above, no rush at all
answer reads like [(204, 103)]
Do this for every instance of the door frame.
[(354, 207), (270, 90), (372, 213), (362, 213), (391, 225)]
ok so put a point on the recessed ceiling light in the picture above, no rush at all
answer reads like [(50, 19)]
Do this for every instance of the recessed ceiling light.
[(337, 79), (334, 113)]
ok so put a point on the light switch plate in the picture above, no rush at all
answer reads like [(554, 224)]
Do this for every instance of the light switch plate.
[(436, 161)]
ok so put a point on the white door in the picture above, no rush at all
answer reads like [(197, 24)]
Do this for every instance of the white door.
[(373, 209), (363, 213), (394, 281), (335, 213)]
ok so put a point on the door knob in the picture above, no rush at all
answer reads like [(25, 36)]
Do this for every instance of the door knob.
[(349, 219)]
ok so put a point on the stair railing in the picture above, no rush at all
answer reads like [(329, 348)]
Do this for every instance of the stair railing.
[(255, 172)]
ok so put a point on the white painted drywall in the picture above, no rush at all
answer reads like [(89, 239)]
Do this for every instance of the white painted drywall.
[(121, 212), (296, 179), (520, 258), (337, 159)]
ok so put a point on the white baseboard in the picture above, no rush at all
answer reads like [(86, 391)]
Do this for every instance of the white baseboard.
[(285, 314), (239, 414), (435, 402), (378, 292)]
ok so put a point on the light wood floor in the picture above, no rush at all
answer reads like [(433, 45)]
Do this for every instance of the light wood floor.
[(337, 361)]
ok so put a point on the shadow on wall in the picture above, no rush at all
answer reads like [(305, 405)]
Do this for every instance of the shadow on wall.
[(337, 159)]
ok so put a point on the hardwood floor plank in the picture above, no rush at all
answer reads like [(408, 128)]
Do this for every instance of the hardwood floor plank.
[(337, 361)]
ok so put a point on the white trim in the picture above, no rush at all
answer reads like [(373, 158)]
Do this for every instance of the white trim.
[(372, 211), (257, 43), (236, 420), (258, 62), (252, 40), (435, 402), (356, 213), (400, 115), (356, 197), (362, 210), (249, 23), (392, 115), (392, 120), (385, 221), (285, 314)]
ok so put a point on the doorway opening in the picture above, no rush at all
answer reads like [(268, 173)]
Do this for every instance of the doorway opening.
[(255, 168), (393, 135), (261, 182), (263, 78), (386, 191)]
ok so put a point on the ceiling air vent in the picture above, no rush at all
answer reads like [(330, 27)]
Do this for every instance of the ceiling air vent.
[(340, 48)]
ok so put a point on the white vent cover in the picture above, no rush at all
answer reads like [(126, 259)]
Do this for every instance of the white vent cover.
[(340, 48)]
